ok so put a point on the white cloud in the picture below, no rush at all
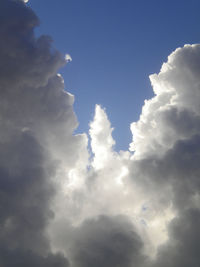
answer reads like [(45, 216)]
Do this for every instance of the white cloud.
[(59, 204), (146, 185), (68, 58)]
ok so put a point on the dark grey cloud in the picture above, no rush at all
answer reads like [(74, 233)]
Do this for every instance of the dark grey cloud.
[(17, 257), (178, 169), (28, 78), (183, 246), (28, 60), (25, 193), (106, 241)]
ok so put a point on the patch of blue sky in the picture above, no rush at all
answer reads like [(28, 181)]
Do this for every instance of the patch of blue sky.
[(115, 46)]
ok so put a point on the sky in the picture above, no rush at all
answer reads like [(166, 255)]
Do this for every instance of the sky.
[(70, 198), (115, 45)]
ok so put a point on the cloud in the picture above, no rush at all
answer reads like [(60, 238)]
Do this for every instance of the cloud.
[(32, 104), (176, 90), (106, 241), (166, 143), (64, 206), (183, 246), (68, 58)]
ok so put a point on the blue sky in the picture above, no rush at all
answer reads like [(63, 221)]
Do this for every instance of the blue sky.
[(115, 45)]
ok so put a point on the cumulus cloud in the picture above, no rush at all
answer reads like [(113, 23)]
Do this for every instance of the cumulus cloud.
[(32, 105), (106, 241), (64, 206), (157, 186)]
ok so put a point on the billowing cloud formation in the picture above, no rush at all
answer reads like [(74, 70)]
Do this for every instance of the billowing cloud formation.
[(28, 133), (61, 206)]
